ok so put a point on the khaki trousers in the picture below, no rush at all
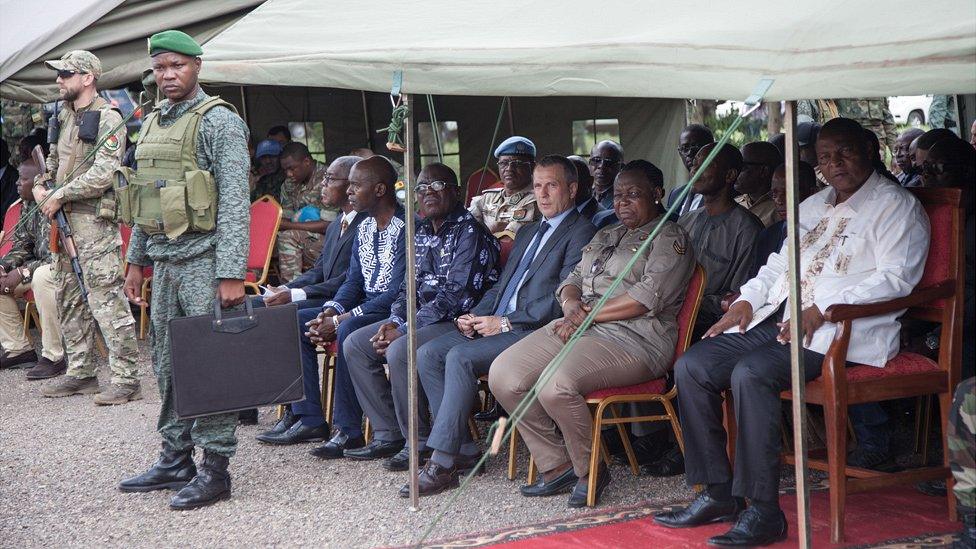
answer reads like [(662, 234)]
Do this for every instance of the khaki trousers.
[(595, 363), (12, 336)]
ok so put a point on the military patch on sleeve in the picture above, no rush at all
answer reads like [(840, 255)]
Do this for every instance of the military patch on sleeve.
[(112, 143), (520, 214), (678, 248)]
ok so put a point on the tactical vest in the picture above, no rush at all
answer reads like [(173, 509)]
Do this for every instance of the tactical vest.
[(73, 160), (169, 193)]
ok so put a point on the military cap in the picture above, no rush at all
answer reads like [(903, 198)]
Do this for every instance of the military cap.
[(79, 61), (268, 147), (173, 41), (516, 145)]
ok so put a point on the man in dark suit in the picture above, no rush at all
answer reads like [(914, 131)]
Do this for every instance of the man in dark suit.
[(314, 287), (524, 299)]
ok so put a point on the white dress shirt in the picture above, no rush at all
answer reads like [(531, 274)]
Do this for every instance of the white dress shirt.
[(869, 248)]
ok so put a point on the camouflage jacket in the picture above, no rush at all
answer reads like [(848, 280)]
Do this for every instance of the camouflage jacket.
[(295, 196), (31, 240), (221, 149)]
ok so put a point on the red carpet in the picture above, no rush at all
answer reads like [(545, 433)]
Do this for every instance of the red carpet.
[(896, 516)]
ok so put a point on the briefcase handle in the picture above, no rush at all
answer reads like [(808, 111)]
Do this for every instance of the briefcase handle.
[(234, 325)]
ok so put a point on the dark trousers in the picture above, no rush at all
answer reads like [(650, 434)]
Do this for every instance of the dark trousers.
[(449, 368), (347, 415), (757, 368)]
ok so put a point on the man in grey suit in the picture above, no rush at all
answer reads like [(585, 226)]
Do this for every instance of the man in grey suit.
[(524, 299), (312, 289)]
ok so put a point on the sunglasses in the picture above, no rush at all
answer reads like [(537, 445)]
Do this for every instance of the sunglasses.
[(513, 164), (601, 161), (433, 186), (66, 74)]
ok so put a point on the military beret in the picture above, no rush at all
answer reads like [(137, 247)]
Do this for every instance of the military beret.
[(79, 61), (173, 41), (516, 145)]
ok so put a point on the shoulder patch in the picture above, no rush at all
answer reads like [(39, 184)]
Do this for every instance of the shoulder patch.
[(678, 248), (112, 143)]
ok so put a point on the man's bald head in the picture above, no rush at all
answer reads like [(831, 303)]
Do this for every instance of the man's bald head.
[(720, 175), (806, 185), (371, 184), (759, 160), (926, 141), (902, 149), (691, 140), (950, 163), (606, 158)]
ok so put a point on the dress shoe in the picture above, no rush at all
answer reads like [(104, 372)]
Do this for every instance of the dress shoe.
[(753, 529), (248, 417), (172, 471), (287, 420), (491, 414), (210, 485), (334, 448), (704, 509), (295, 434), (46, 369), (671, 464), (376, 449), (561, 484), (465, 464), (401, 461), (577, 498), (432, 479), (25, 359)]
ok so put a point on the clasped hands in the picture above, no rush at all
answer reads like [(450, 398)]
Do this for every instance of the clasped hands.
[(485, 326), (574, 313)]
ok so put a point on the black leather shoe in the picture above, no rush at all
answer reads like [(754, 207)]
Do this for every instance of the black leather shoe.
[(401, 461), (295, 434), (704, 509), (248, 417), (334, 448), (287, 420), (753, 529), (492, 413), (465, 464), (46, 369), (25, 359), (376, 449), (433, 479), (172, 471), (211, 484), (577, 498), (671, 464), (561, 484)]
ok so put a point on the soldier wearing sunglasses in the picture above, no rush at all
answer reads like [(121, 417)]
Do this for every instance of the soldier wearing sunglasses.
[(508, 208)]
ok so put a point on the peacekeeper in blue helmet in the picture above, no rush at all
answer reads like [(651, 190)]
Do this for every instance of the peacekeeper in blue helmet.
[(508, 208)]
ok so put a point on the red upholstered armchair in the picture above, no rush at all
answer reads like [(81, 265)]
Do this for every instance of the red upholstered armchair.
[(937, 298), (265, 219), (481, 179)]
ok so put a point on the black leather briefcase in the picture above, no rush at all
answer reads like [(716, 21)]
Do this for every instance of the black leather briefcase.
[(235, 360)]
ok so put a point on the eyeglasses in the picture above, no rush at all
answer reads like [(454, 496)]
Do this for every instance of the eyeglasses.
[(330, 179), (603, 161), (66, 74), (433, 186), (628, 196), (689, 149), (513, 164)]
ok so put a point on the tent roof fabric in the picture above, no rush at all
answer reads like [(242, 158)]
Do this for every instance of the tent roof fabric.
[(118, 38), (633, 48)]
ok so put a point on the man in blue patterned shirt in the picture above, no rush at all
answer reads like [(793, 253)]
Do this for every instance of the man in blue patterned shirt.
[(457, 261), (372, 283)]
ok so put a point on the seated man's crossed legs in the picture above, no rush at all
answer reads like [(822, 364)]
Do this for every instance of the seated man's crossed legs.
[(18, 352)]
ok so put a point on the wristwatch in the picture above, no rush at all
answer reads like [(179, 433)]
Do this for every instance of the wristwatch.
[(932, 341), (506, 325)]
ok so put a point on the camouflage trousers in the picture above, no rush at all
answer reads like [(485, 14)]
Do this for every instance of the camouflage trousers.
[(961, 435), (185, 288), (99, 252), (297, 253)]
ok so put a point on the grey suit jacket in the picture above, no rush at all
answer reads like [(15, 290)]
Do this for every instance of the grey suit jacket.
[(325, 277), (536, 303)]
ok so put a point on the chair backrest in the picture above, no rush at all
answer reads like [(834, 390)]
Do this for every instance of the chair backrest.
[(125, 232), (265, 218), (506, 239), (9, 221), (689, 311), (945, 259), (481, 179)]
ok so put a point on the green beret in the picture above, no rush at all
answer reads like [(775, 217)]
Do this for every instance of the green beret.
[(173, 41)]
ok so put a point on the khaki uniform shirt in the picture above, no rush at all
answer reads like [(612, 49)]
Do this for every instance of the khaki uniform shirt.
[(658, 280), (764, 208), (504, 213)]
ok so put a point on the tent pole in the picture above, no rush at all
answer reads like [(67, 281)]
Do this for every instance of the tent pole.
[(368, 123), (244, 107), (796, 335), (411, 280)]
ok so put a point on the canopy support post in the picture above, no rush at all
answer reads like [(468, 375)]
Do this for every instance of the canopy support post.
[(796, 331), (411, 283)]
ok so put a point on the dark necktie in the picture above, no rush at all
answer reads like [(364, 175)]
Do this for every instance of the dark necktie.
[(523, 266), (343, 227)]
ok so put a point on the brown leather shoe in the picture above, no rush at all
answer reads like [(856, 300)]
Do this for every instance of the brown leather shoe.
[(433, 479), (67, 386), (25, 359), (46, 369), (118, 393)]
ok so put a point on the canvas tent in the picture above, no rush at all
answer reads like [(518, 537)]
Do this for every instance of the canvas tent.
[(115, 30)]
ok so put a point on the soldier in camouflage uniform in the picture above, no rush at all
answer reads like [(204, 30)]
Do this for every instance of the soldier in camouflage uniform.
[(961, 436), (942, 113), (191, 267), (872, 114), (509, 207), (19, 119), (84, 180), (304, 217)]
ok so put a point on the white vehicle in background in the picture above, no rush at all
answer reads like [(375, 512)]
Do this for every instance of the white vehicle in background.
[(910, 109)]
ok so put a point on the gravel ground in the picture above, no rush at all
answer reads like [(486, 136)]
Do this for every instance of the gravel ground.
[(60, 460)]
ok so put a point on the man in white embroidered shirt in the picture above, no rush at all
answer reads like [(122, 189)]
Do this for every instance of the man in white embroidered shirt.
[(862, 240)]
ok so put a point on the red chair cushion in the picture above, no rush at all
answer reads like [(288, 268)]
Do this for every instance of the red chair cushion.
[(10, 219), (29, 296), (940, 248), (652, 387), (903, 364), (264, 219)]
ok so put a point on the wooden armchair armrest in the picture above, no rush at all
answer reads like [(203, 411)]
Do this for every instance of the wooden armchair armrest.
[(840, 312)]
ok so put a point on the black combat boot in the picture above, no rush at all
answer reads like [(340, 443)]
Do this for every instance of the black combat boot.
[(211, 484), (172, 471)]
